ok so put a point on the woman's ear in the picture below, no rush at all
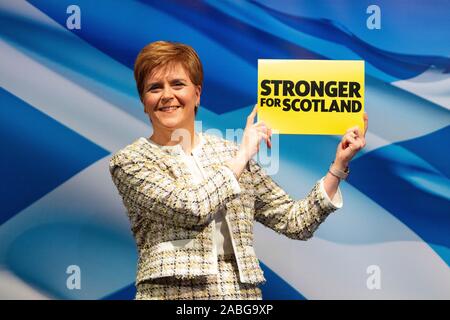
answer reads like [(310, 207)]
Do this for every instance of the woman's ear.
[(199, 93), (145, 108)]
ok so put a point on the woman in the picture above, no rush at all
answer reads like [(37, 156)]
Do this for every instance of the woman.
[(192, 197)]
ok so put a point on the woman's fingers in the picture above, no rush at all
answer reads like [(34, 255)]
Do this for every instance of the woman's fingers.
[(347, 140), (352, 134), (262, 129), (251, 116), (258, 136), (263, 135), (366, 122), (355, 144), (357, 130), (266, 137), (352, 129), (254, 133), (264, 126), (269, 142), (363, 142)]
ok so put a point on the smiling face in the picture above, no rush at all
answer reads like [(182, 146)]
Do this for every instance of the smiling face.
[(170, 98)]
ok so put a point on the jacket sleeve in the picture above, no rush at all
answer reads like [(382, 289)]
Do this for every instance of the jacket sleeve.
[(296, 219), (142, 183)]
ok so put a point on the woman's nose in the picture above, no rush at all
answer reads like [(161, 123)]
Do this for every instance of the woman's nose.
[(167, 94)]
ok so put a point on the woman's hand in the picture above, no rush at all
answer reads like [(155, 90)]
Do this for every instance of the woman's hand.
[(352, 141), (251, 140), (253, 134)]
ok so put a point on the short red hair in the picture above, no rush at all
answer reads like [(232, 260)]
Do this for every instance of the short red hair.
[(160, 54)]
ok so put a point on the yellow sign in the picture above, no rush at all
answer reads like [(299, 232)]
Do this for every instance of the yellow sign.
[(311, 96)]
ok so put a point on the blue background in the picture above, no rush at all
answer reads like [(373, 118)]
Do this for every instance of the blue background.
[(68, 101)]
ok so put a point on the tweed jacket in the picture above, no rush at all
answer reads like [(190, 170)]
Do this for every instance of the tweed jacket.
[(172, 219)]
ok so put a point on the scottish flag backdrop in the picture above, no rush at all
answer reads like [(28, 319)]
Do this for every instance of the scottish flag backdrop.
[(68, 101)]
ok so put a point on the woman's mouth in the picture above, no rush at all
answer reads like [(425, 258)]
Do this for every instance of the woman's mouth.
[(168, 109)]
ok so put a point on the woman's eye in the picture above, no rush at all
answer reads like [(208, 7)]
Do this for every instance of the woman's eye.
[(178, 84), (153, 88)]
